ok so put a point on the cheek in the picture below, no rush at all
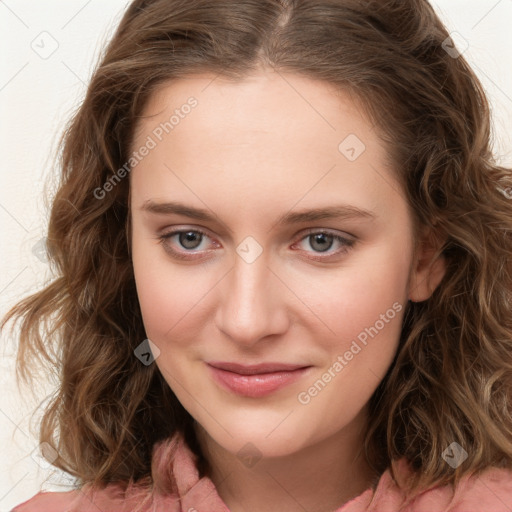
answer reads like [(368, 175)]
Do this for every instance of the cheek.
[(364, 312), (167, 295), (376, 296)]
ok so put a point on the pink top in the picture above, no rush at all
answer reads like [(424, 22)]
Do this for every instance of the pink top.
[(178, 488)]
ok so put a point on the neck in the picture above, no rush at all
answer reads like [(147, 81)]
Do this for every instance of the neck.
[(319, 478)]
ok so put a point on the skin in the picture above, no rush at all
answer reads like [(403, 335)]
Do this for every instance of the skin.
[(250, 152)]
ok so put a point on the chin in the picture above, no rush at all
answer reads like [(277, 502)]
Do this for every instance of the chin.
[(260, 439)]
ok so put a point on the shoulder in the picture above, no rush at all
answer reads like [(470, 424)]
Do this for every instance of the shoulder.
[(487, 491), (114, 497), (48, 502), (111, 498)]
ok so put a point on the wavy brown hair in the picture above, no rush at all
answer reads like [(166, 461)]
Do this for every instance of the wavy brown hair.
[(452, 375)]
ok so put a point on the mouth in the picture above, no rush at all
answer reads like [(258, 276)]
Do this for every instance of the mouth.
[(255, 380)]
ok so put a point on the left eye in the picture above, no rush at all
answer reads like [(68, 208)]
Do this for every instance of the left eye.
[(322, 241), (189, 241)]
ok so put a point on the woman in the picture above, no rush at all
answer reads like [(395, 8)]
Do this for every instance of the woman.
[(283, 268)]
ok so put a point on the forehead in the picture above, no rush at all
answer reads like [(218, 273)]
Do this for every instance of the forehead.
[(271, 133), (266, 101)]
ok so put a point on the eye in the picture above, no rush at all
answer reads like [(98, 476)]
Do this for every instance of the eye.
[(323, 241), (183, 243)]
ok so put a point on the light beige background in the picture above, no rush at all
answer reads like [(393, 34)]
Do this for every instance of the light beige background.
[(38, 92)]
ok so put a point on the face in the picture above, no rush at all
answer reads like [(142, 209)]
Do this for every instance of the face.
[(268, 228)]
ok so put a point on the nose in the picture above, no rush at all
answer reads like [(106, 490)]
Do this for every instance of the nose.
[(252, 303)]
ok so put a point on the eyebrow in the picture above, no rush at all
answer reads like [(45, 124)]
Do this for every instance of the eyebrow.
[(342, 211)]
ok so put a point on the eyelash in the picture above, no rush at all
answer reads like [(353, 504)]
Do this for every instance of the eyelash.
[(346, 243)]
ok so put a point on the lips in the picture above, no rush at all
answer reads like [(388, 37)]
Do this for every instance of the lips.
[(254, 369), (255, 380)]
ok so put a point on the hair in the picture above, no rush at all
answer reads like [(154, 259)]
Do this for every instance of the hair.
[(451, 378)]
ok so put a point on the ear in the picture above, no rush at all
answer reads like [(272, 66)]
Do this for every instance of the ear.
[(428, 267)]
